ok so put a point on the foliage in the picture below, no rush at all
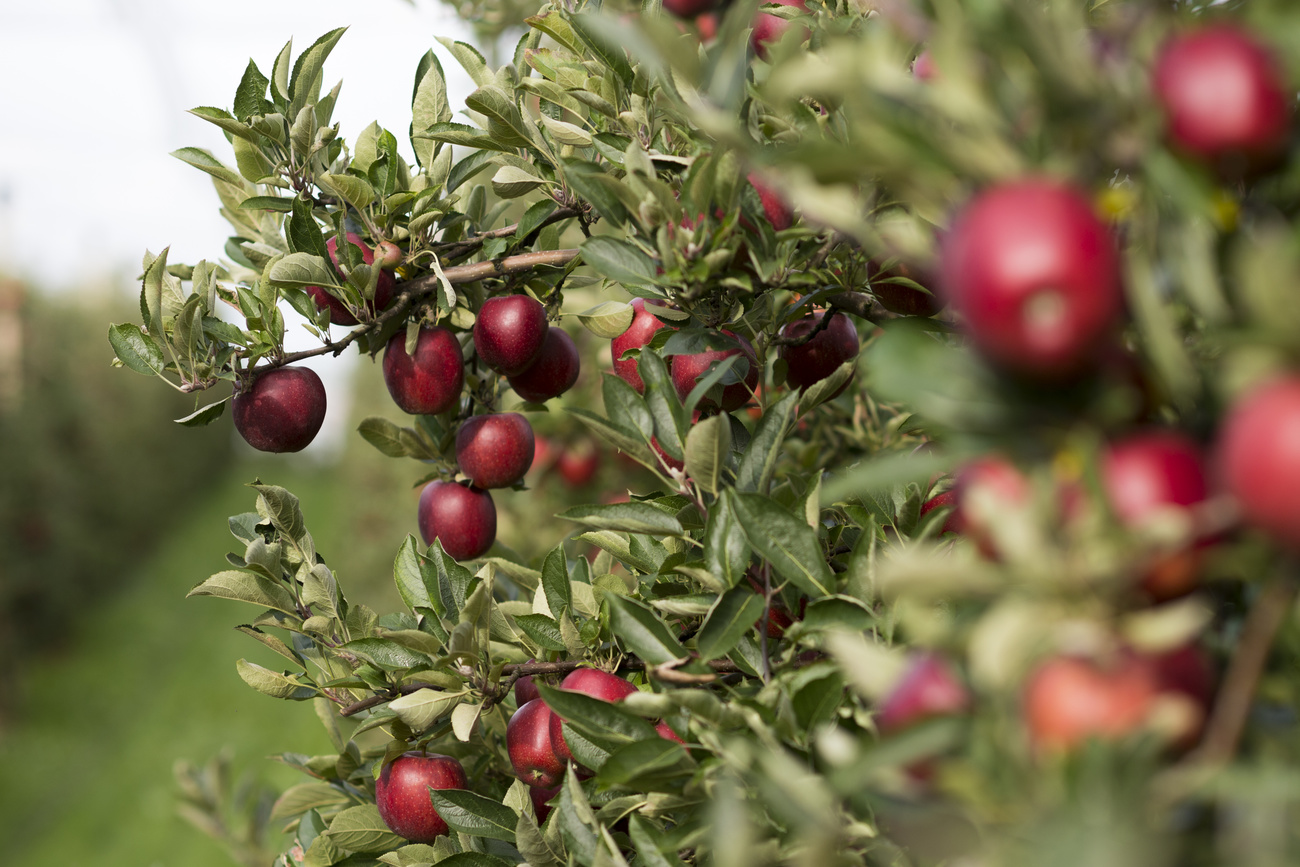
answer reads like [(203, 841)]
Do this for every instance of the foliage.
[(626, 152)]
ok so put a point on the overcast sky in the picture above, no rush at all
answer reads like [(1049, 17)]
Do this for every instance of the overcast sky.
[(94, 96)]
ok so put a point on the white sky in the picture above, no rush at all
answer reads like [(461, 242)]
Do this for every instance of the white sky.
[(94, 97)]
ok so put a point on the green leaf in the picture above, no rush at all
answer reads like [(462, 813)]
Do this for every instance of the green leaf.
[(303, 233), (461, 134), (421, 709), (474, 859), (824, 389), (206, 162), (630, 443), (469, 59), (610, 53), (732, 615), (272, 683), (360, 829), (298, 799), (387, 655), (645, 840), (646, 762), (726, 549), (575, 819), (511, 182), (605, 722), (281, 204), (250, 587), (619, 261), (626, 517), (608, 319), (758, 462), (507, 125), (708, 445), (627, 410), (784, 540), (555, 581), (642, 632), (566, 133), (304, 83), (541, 629), (416, 578), (531, 843), (301, 270), (357, 192), (136, 350), (281, 508), (468, 812), (429, 105)]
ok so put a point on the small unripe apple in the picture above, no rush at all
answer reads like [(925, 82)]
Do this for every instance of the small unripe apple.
[(402, 794), (928, 688), (1036, 277), (1225, 97), (638, 334), (430, 381), (509, 332), (595, 683), (495, 450), (577, 466), (281, 411), (528, 742), (388, 255), (820, 357), (339, 313), (1068, 700), (1258, 458), (769, 28), (462, 518), (779, 214), (553, 372), (688, 369)]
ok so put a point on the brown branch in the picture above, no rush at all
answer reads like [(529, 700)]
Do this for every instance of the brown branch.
[(1232, 706), (455, 249)]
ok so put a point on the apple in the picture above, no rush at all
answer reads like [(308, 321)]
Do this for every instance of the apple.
[(541, 798), (1036, 277), (688, 369), (552, 373), (593, 682), (997, 482), (1225, 97), (402, 794), (820, 357), (1147, 473), (638, 334), (282, 410), (708, 25), (578, 466), (667, 460), (509, 332), (1258, 457), (495, 450), (1068, 700), (430, 381), (769, 28), (923, 68), (388, 255), (462, 518), (339, 313), (689, 8), (779, 214), (948, 499), (528, 742), (898, 297), (778, 620), (928, 688), (666, 731)]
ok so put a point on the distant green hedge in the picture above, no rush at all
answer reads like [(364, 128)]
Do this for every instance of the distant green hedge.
[(89, 478)]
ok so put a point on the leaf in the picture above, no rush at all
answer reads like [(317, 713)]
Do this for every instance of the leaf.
[(303, 233), (298, 799), (619, 261), (566, 133), (531, 843), (608, 319), (464, 719), (384, 435), (357, 192), (301, 270), (726, 549), (360, 829), (429, 105), (416, 578), (708, 445), (646, 761), (541, 629), (250, 587), (824, 389), (511, 182), (136, 350), (611, 54), (754, 472), (641, 631), (422, 708), (468, 812), (304, 83), (507, 126), (575, 819), (626, 517), (603, 721), (387, 655), (272, 683), (555, 581), (281, 508), (784, 540), (469, 59), (474, 859), (732, 615), (206, 162)]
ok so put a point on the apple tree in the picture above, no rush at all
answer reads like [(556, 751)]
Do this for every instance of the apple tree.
[(957, 343)]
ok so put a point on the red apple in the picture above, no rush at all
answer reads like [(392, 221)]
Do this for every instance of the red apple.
[(593, 682), (779, 214), (509, 332), (430, 381), (402, 794), (667, 460), (462, 518), (769, 28), (898, 297), (1068, 700), (495, 450), (997, 480), (666, 731), (939, 501), (1258, 457), (688, 369), (638, 334), (1225, 97), (689, 8), (541, 799), (553, 372), (923, 68), (339, 313), (577, 466), (388, 255), (528, 742), (1036, 277), (708, 25), (928, 688), (820, 357), (281, 411)]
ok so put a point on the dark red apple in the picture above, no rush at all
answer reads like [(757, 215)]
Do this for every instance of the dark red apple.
[(1258, 458), (638, 334), (339, 313), (940, 501), (553, 372), (666, 731), (495, 450), (928, 688), (430, 381), (595, 683), (402, 794), (896, 296), (281, 411), (528, 742), (1225, 97), (1147, 473), (1036, 277), (577, 465), (779, 214), (689, 8), (1068, 700), (688, 369), (462, 518), (820, 357), (664, 457), (541, 799), (509, 332), (769, 28)]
